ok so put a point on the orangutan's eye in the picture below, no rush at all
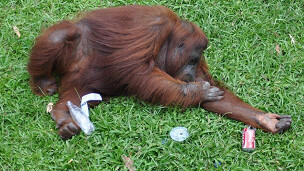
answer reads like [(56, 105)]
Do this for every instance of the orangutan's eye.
[(193, 61)]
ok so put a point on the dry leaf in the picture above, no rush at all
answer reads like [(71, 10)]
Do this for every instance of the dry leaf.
[(16, 30), (128, 163), (276, 34), (292, 39), (70, 161), (277, 48), (49, 107)]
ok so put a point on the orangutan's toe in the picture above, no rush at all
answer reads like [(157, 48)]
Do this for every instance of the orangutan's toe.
[(283, 124)]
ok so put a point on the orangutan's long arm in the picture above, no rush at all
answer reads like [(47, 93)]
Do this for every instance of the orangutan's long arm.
[(235, 108), (159, 87)]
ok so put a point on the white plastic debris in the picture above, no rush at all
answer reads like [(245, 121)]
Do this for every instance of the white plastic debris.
[(81, 115), (86, 98), (179, 134), (81, 119), (49, 107)]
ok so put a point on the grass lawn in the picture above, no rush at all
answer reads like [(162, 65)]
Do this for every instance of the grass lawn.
[(242, 53)]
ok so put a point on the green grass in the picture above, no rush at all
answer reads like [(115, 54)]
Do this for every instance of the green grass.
[(243, 36)]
